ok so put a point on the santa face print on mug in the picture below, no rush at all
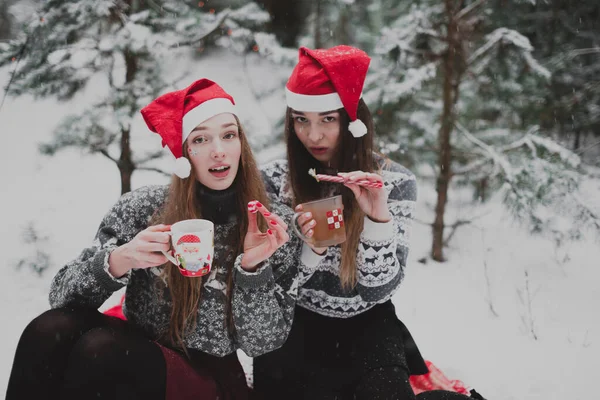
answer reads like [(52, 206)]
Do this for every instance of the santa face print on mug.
[(192, 247)]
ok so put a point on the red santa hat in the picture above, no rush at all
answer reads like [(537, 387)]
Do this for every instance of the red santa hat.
[(329, 79), (188, 239), (175, 114)]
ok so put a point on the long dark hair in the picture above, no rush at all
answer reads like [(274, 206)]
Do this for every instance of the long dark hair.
[(183, 203), (352, 154)]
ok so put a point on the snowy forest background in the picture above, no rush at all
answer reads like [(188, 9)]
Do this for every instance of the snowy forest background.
[(495, 105)]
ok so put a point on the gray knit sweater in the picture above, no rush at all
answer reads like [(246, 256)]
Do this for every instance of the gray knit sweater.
[(381, 255), (263, 301)]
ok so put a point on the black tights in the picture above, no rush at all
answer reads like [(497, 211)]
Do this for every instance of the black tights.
[(82, 354)]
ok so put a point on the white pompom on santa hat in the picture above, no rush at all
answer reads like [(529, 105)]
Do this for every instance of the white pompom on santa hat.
[(174, 116), (327, 80)]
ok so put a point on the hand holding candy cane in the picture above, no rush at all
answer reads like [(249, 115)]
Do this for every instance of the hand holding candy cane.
[(368, 191), (258, 246), (341, 179)]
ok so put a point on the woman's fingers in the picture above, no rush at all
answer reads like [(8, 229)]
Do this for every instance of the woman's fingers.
[(309, 225), (153, 247), (158, 228), (280, 233), (270, 216), (272, 242), (356, 176), (155, 236), (252, 219), (155, 259), (354, 188)]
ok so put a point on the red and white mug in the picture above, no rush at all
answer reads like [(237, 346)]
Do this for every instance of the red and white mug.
[(192, 246)]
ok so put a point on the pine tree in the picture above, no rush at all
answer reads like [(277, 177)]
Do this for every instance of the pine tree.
[(71, 41), (566, 36), (463, 95)]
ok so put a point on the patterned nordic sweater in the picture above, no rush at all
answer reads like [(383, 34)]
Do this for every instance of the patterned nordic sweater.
[(263, 301), (381, 254)]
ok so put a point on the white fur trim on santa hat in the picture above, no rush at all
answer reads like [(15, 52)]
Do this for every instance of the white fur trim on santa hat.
[(204, 111), (182, 167), (357, 128), (313, 103)]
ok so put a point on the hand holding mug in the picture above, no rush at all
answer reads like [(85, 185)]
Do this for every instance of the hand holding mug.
[(193, 247), (320, 223), (307, 224), (371, 199), (258, 246), (143, 251)]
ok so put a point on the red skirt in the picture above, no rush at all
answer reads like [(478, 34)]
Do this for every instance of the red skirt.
[(204, 377)]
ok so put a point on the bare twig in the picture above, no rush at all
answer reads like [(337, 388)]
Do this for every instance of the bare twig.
[(526, 298), (104, 152), (149, 157), (153, 169), (488, 284), (453, 227)]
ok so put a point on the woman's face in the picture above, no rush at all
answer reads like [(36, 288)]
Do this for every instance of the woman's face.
[(214, 149), (318, 132)]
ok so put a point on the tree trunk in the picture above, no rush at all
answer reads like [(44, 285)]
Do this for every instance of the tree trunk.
[(318, 39), (5, 21), (577, 140), (287, 19), (444, 155), (125, 163), (126, 166)]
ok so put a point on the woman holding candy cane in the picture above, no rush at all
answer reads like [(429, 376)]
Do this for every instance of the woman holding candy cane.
[(346, 341), (184, 321)]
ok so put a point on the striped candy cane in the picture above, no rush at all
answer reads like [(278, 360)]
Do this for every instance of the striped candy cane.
[(340, 179)]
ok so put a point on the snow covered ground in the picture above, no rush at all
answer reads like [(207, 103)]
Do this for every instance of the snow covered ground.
[(508, 314)]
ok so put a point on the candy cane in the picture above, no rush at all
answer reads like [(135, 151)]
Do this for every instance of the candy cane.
[(340, 179)]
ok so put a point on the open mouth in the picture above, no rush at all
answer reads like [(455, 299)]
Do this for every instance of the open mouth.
[(220, 172), (318, 150)]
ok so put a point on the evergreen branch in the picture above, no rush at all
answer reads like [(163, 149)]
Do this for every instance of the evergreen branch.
[(581, 52), (498, 160), (194, 41), (12, 76), (473, 166), (462, 13)]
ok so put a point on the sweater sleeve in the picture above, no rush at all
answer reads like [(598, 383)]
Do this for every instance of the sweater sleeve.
[(383, 247), (264, 300), (274, 175), (86, 281)]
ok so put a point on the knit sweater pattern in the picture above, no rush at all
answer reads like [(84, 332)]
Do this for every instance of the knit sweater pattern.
[(381, 254), (263, 300)]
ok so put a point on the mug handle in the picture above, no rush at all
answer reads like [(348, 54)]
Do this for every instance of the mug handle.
[(170, 257), (169, 254), (294, 224)]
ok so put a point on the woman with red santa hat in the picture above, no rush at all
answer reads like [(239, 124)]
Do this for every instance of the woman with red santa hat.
[(346, 341), (181, 333)]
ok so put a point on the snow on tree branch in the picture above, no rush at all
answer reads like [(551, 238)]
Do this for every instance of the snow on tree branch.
[(504, 36)]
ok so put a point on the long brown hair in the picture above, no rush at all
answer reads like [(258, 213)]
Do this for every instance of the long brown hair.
[(183, 203), (352, 154)]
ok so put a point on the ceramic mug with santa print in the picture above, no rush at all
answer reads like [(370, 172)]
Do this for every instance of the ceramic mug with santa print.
[(192, 248), (329, 215)]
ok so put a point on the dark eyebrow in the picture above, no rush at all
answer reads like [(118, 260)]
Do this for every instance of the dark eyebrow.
[(321, 113), (202, 128)]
